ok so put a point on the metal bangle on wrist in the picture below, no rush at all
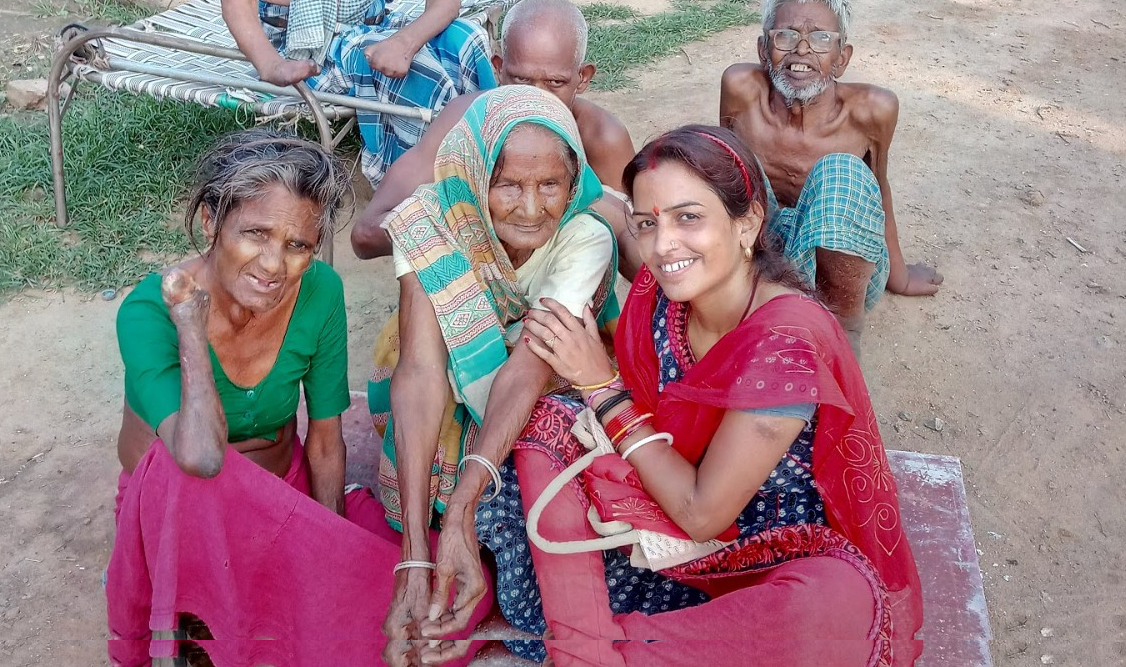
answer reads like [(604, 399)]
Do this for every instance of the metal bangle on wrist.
[(493, 472)]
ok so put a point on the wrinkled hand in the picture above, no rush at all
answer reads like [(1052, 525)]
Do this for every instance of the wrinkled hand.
[(187, 302), (390, 56), (410, 604), (922, 280), (458, 564), (572, 347), (285, 72)]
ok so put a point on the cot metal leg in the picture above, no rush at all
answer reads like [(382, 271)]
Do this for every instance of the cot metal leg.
[(324, 130), (56, 108), (343, 133), (55, 111)]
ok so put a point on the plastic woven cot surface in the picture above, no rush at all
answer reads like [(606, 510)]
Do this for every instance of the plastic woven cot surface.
[(202, 20)]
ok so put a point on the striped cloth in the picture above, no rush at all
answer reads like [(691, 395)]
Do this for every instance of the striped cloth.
[(445, 233), (839, 208), (455, 62)]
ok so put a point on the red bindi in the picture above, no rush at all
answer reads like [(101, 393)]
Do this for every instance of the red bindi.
[(656, 212)]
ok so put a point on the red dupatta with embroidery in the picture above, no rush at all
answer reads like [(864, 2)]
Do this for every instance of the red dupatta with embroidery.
[(790, 350)]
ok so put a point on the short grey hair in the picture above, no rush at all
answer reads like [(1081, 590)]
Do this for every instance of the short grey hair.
[(241, 165), (842, 9), (533, 13)]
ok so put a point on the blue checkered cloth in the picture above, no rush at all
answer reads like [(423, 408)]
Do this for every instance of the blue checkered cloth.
[(455, 62), (839, 208)]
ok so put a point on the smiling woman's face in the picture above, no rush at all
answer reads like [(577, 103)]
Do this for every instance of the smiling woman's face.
[(530, 190), (684, 233)]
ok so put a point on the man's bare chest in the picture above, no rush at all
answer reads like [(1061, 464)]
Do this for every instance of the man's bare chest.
[(788, 155)]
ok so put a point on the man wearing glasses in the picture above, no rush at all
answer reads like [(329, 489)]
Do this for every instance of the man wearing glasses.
[(823, 145)]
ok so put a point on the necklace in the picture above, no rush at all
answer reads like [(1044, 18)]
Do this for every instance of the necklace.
[(746, 312)]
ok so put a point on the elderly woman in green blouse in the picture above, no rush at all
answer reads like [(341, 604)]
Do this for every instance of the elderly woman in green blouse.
[(217, 349)]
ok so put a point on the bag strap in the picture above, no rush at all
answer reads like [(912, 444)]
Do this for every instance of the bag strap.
[(571, 546)]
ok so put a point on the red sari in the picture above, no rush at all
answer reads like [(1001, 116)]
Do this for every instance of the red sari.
[(789, 351)]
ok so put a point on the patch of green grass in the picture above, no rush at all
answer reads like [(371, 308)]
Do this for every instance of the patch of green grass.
[(604, 11), (617, 47), (101, 11), (113, 11), (128, 161), (45, 9)]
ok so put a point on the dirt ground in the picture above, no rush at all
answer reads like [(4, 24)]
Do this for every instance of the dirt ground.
[(1011, 144)]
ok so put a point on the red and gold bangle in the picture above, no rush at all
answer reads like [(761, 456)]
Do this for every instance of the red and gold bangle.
[(629, 418), (630, 430)]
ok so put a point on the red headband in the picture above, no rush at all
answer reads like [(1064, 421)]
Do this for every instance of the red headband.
[(742, 167)]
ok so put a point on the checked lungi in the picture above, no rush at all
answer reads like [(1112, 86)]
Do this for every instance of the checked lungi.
[(455, 62), (840, 209)]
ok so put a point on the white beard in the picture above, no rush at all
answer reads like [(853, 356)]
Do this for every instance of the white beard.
[(803, 95)]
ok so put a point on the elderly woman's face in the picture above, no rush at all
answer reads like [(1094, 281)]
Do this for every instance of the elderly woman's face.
[(263, 247), (531, 189)]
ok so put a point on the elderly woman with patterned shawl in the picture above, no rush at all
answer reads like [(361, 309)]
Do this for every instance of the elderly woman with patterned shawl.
[(506, 224)]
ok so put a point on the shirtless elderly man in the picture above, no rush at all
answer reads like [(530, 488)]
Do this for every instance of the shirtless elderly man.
[(824, 147), (543, 44)]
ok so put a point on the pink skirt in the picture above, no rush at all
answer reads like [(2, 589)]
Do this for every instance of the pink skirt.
[(255, 558)]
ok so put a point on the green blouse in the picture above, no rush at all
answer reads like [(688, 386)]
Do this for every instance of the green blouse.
[(314, 352)]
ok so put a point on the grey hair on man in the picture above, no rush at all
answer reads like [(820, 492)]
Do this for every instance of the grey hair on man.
[(534, 14), (243, 165), (842, 9)]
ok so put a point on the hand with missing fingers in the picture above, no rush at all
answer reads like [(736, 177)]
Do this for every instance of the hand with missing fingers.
[(410, 604), (188, 303), (286, 72), (458, 569), (392, 56), (572, 347)]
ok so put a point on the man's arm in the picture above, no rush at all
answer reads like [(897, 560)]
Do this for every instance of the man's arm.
[(393, 55), (736, 94), (610, 151), (413, 168), (242, 20), (916, 279)]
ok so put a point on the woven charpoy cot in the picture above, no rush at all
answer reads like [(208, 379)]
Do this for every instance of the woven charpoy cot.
[(187, 54)]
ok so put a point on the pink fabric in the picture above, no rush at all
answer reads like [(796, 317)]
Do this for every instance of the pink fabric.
[(817, 611), (297, 476), (254, 558), (809, 612)]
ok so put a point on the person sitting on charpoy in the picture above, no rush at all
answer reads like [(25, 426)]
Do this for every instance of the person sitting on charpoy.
[(739, 438), (216, 354), (543, 43), (349, 47), (506, 223)]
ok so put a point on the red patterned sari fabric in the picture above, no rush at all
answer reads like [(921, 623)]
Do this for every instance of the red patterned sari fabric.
[(789, 351)]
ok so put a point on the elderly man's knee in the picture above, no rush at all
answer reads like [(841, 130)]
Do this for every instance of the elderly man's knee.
[(837, 166)]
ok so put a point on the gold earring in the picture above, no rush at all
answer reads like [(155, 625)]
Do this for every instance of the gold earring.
[(748, 253)]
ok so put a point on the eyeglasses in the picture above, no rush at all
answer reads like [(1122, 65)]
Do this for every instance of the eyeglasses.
[(820, 41)]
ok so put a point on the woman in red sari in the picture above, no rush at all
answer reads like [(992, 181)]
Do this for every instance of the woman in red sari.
[(742, 418)]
